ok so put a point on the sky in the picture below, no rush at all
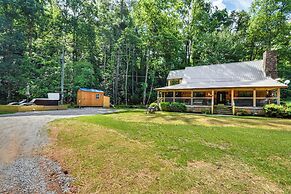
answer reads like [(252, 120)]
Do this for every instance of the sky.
[(232, 4)]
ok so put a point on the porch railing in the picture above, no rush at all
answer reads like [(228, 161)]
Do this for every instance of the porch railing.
[(199, 101), (249, 101), (206, 101)]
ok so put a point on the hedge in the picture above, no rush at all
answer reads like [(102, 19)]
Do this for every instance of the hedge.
[(274, 110), (173, 107)]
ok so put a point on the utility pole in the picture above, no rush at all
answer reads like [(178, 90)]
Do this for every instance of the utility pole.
[(62, 74)]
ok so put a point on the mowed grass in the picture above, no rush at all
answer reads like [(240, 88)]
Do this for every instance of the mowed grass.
[(174, 153)]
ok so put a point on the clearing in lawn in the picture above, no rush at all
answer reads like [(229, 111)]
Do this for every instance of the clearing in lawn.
[(174, 153)]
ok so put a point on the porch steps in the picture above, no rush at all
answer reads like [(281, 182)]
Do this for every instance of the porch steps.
[(223, 110)]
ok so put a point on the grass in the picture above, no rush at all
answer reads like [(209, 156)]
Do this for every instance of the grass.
[(8, 109), (5, 112), (174, 153)]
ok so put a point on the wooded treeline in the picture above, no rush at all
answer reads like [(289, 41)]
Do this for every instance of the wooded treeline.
[(127, 48)]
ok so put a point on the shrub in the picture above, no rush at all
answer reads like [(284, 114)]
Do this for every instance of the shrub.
[(165, 106), (154, 105), (274, 110), (177, 107), (205, 111), (243, 113), (173, 106), (288, 111)]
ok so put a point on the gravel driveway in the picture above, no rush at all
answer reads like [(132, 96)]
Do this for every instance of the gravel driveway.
[(20, 134)]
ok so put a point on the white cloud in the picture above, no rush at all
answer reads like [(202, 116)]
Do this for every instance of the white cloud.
[(219, 4)]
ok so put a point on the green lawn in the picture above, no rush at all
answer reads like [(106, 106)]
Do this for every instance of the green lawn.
[(173, 153), (6, 109), (6, 112)]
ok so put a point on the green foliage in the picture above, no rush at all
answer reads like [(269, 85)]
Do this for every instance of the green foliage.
[(127, 48), (165, 106), (154, 105), (204, 111), (274, 110), (173, 107)]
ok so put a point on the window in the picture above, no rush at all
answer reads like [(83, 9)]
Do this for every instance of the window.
[(199, 94), (97, 96), (245, 94), (168, 94), (174, 82)]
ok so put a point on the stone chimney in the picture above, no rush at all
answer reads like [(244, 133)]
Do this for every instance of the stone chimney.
[(270, 64)]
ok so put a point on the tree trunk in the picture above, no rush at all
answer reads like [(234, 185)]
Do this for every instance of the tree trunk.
[(146, 78), (188, 52), (126, 76), (117, 77), (30, 39), (151, 90), (132, 73)]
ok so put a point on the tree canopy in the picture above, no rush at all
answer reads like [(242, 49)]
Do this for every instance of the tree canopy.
[(127, 48)]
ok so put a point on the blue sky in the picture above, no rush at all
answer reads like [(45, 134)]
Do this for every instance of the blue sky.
[(232, 4)]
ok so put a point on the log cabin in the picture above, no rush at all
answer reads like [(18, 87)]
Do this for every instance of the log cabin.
[(227, 88)]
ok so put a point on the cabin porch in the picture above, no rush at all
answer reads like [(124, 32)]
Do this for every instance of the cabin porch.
[(222, 101)]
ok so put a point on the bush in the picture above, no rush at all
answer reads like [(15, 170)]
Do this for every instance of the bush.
[(154, 105), (205, 111), (173, 107), (274, 110), (165, 106), (288, 111)]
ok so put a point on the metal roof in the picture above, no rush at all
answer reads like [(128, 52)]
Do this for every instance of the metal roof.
[(90, 90), (237, 84), (228, 75)]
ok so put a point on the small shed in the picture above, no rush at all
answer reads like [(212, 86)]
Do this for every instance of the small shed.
[(92, 97)]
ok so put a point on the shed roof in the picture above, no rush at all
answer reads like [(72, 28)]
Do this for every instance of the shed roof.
[(90, 90), (228, 75)]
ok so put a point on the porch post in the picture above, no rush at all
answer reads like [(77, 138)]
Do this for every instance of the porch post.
[(191, 98), (254, 98), (212, 101), (278, 96), (158, 97), (174, 96), (232, 102)]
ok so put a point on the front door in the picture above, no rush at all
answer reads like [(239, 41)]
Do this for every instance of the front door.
[(221, 97)]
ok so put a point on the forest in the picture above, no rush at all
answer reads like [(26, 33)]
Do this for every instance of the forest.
[(127, 47)]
